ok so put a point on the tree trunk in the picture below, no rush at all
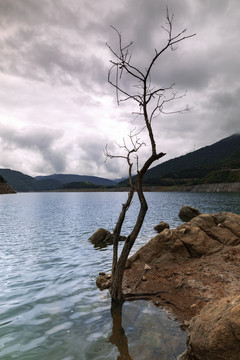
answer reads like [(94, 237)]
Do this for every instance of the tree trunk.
[(150, 101), (117, 277), (118, 228)]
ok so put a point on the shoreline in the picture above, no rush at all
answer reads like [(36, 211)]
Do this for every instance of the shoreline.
[(205, 188), (188, 267), (217, 187)]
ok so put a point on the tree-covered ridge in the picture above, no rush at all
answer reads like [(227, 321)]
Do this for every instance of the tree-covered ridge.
[(2, 180), (215, 163), (84, 185), (23, 183)]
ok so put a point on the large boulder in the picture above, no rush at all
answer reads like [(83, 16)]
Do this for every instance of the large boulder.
[(215, 333), (187, 213)]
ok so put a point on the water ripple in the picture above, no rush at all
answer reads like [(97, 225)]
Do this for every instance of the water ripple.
[(50, 307)]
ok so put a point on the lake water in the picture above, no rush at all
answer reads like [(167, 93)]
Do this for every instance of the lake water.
[(50, 307)]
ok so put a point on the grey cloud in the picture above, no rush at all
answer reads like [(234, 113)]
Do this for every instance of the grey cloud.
[(41, 141), (62, 45), (224, 108), (42, 12), (51, 62), (192, 65), (91, 156), (53, 48)]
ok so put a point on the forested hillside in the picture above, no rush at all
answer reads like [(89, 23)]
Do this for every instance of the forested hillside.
[(219, 162)]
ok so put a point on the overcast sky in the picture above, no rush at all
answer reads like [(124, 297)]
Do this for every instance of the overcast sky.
[(57, 110)]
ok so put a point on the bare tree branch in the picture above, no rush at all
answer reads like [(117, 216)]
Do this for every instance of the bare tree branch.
[(151, 101)]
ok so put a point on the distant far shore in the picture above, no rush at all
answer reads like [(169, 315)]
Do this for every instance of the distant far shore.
[(217, 187)]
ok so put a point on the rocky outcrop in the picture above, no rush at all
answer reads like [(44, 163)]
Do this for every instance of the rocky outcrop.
[(196, 263), (187, 213), (217, 187), (6, 189), (161, 226), (102, 238), (203, 235), (215, 333), (194, 272)]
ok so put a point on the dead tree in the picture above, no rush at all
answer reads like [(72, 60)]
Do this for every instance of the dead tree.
[(151, 102)]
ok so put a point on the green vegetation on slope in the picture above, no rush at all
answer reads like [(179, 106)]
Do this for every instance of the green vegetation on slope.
[(214, 163), (2, 180), (70, 178), (23, 183), (221, 176)]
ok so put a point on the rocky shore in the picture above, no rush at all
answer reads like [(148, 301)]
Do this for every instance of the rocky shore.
[(215, 187), (6, 189), (193, 272)]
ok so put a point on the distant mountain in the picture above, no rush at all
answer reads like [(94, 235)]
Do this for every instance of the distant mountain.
[(215, 163), (71, 178), (23, 183), (81, 185), (19, 181)]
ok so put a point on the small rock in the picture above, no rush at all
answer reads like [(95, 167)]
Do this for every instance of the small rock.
[(193, 306), (144, 278), (161, 226), (147, 267), (101, 238), (187, 213), (103, 281)]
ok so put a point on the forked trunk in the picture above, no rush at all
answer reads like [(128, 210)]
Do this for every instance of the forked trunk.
[(117, 276)]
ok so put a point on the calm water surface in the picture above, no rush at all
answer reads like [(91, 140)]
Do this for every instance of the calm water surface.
[(50, 307)]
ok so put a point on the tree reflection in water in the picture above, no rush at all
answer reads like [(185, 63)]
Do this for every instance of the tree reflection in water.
[(118, 336)]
